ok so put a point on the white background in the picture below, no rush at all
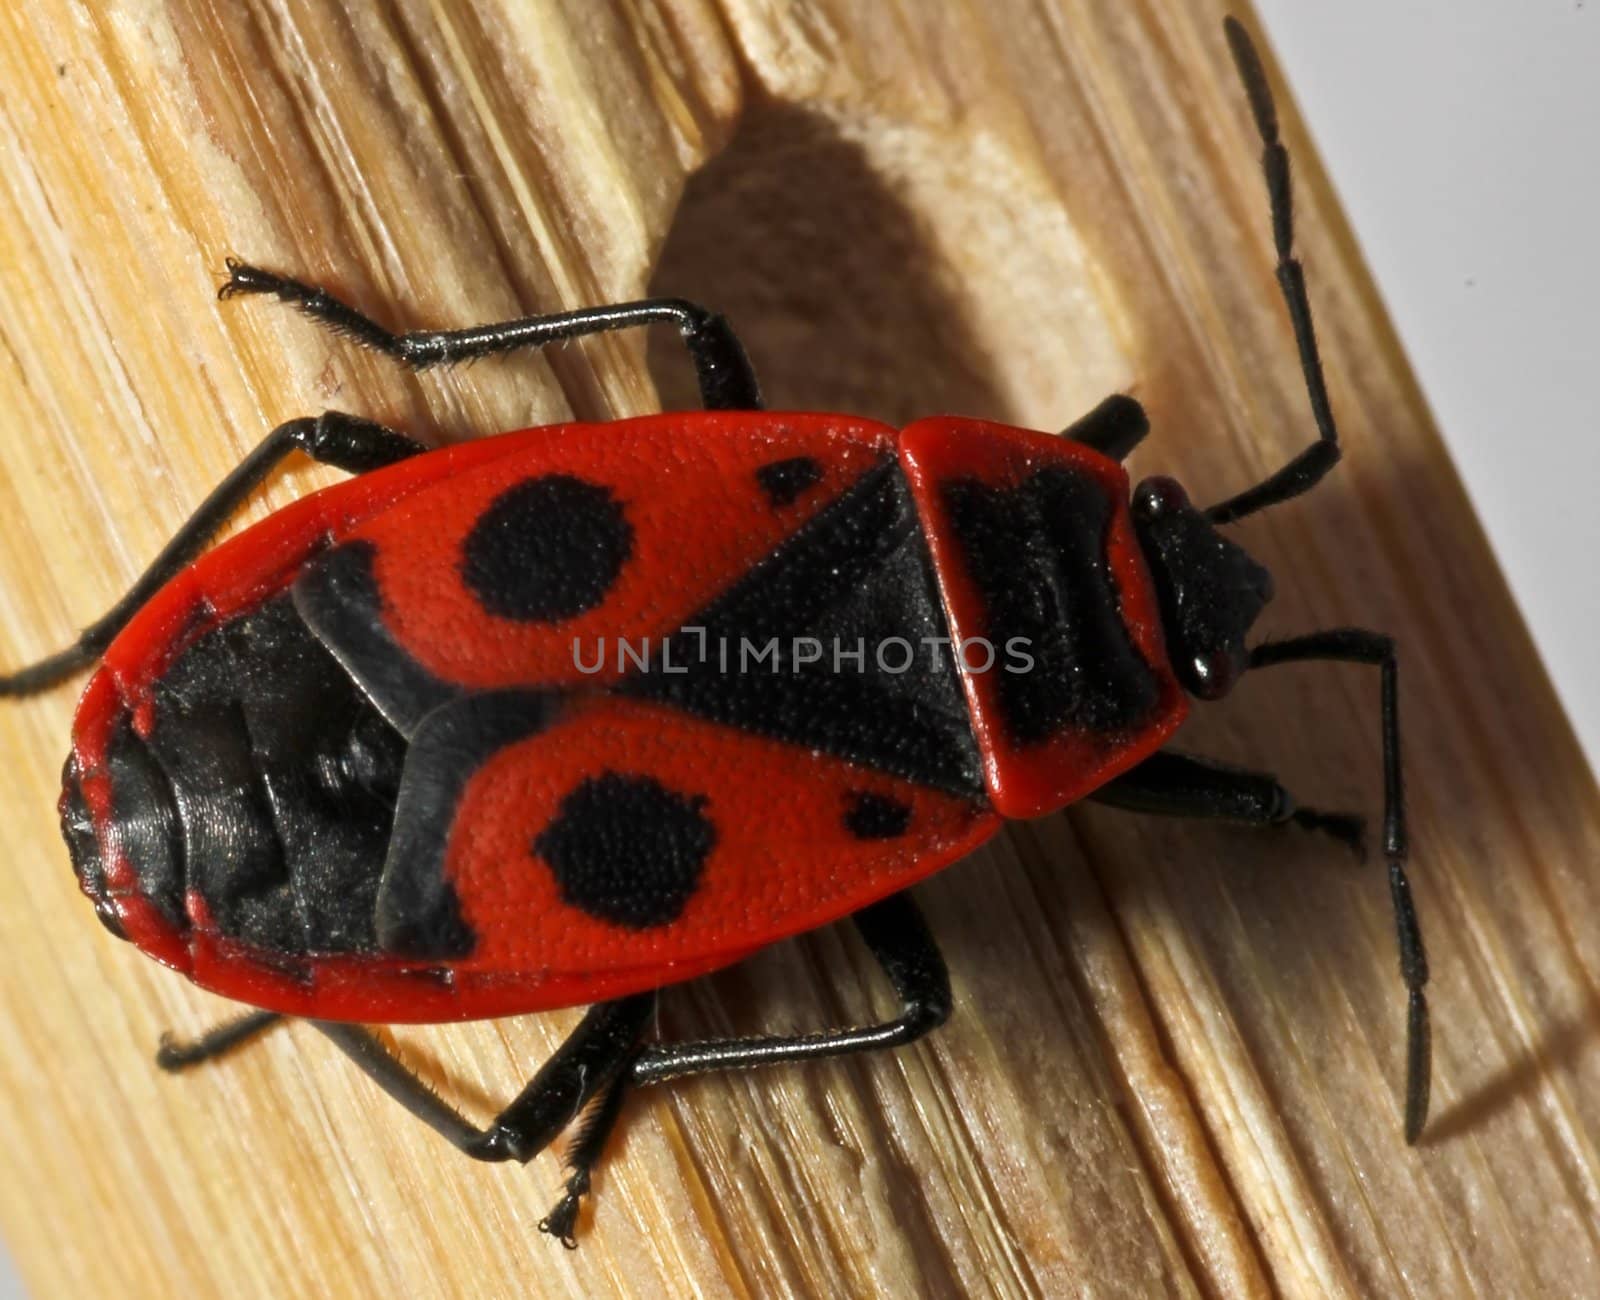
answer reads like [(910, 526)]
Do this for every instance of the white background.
[(1464, 139)]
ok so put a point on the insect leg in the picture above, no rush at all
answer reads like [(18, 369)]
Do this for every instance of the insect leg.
[(582, 1153), (727, 380), (1356, 645), (1306, 469), (1170, 784), (343, 441), (588, 1070), (898, 936), (1114, 428), (176, 1054), (593, 1054)]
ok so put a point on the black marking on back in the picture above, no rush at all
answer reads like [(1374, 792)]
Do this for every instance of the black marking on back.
[(876, 816), (280, 777), (786, 481), (1037, 553), (547, 549), (337, 596), (627, 849), (858, 572), (418, 912)]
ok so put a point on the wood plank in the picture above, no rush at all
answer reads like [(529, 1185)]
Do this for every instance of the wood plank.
[(1176, 1055)]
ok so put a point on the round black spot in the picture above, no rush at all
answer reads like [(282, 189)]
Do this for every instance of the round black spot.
[(876, 816), (626, 849), (785, 481), (547, 549)]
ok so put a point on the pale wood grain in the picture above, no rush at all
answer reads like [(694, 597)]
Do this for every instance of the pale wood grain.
[(1176, 1053)]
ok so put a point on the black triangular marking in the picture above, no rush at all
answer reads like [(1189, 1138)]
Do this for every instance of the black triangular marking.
[(858, 575)]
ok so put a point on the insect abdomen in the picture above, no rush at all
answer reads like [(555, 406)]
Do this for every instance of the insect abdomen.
[(259, 789)]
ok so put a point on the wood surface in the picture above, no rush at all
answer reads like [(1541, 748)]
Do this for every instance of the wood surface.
[(1176, 1053)]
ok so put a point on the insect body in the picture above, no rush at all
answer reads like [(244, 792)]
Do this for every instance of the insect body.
[(441, 742), (570, 714)]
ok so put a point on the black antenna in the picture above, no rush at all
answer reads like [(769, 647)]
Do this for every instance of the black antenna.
[(1305, 470), (1351, 645)]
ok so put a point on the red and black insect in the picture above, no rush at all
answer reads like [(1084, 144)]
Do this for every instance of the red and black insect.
[(381, 757)]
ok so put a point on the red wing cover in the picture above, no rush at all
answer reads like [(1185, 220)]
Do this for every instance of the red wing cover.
[(619, 844), (580, 538)]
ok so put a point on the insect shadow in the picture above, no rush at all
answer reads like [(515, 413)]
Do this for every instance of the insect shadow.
[(796, 237), (1557, 1051)]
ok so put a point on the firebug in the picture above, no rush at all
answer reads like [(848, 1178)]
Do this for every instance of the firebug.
[(567, 715)]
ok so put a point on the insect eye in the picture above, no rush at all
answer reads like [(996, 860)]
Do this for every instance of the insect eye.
[(1157, 497), (1215, 673)]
